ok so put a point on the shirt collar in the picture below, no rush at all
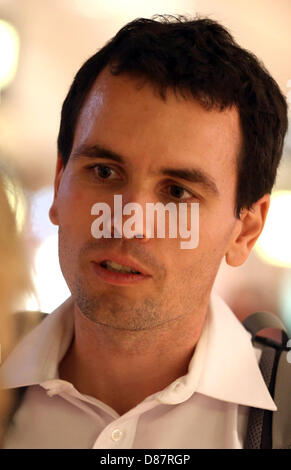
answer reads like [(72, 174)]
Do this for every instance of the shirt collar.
[(36, 357), (224, 365)]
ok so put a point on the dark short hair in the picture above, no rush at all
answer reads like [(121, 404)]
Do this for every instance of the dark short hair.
[(197, 58)]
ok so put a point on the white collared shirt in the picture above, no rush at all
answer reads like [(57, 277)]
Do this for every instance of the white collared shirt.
[(205, 409)]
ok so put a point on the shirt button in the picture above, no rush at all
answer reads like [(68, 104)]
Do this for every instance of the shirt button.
[(116, 435)]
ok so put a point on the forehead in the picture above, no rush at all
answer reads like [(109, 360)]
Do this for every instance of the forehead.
[(129, 117)]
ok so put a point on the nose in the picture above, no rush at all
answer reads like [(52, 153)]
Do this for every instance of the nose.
[(129, 217)]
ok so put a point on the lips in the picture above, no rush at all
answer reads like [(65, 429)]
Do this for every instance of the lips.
[(123, 261), (118, 278)]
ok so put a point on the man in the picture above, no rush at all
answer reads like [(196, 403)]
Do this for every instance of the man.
[(168, 111)]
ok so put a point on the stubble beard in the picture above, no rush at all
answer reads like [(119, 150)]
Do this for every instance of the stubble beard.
[(165, 309), (114, 310), (102, 304)]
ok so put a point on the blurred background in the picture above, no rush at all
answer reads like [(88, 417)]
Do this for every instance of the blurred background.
[(42, 45)]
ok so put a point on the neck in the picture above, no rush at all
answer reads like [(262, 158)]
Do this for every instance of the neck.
[(121, 368)]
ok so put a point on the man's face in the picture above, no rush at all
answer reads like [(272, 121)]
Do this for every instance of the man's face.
[(150, 134)]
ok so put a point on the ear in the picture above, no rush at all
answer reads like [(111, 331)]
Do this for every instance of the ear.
[(53, 212), (246, 231)]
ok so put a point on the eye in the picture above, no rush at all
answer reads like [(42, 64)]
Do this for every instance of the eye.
[(104, 171), (178, 192)]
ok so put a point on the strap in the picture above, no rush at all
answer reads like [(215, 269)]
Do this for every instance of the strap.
[(259, 321), (259, 434), (282, 417), (268, 429)]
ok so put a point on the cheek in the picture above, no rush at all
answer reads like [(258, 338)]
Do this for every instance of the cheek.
[(203, 261), (74, 210), (215, 228)]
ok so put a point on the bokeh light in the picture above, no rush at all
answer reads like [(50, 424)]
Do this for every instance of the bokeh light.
[(9, 51), (274, 244), (50, 286)]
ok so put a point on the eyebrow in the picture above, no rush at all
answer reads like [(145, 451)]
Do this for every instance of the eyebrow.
[(192, 175), (97, 151)]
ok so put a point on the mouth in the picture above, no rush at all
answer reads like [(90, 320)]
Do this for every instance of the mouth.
[(119, 268), (119, 274)]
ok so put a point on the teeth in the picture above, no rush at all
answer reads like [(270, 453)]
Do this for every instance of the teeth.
[(117, 267)]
